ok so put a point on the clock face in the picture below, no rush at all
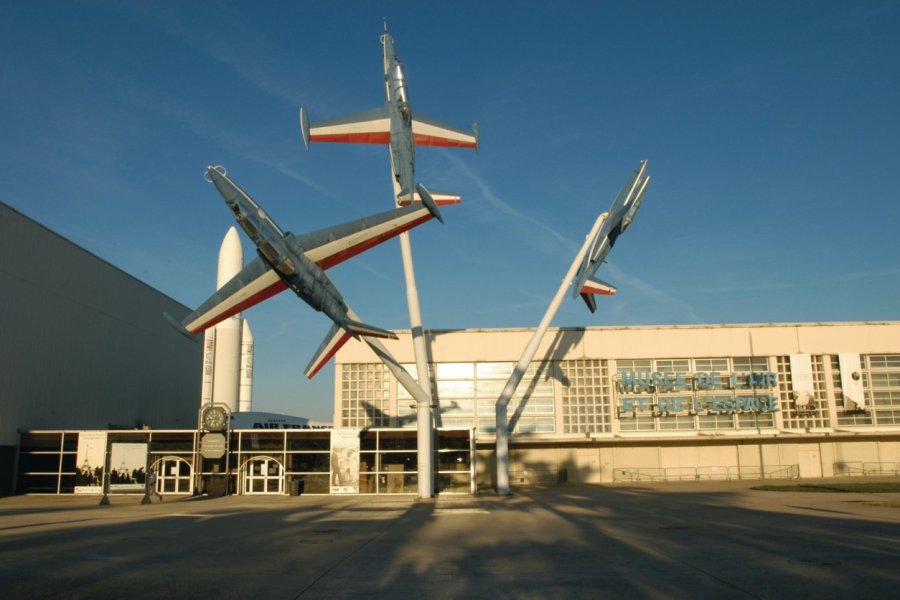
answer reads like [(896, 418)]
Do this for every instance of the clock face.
[(214, 418)]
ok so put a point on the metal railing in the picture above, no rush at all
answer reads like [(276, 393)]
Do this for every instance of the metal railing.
[(865, 469), (712, 473), (529, 477)]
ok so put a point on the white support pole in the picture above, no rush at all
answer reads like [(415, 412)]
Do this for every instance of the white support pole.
[(424, 420), (502, 421), (424, 417)]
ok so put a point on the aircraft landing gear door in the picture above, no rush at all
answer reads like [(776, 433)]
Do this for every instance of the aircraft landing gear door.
[(175, 476), (263, 475)]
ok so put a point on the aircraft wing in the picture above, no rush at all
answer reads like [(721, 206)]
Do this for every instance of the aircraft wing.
[(333, 245), (431, 132), (253, 284), (366, 127)]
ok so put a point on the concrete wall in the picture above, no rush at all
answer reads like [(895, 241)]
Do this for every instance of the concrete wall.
[(672, 341), (595, 462), (84, 344)]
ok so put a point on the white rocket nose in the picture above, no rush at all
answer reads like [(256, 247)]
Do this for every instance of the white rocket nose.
[(231, 257)]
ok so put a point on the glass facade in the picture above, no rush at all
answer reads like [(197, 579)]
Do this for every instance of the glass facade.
[(254, 462), (595, 396), (466, 395)]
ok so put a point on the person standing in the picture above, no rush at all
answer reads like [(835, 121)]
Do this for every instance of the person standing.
[(151, 485)]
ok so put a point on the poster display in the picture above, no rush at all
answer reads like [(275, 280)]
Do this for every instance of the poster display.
[(345, 461), (89, 461), (127, 467)]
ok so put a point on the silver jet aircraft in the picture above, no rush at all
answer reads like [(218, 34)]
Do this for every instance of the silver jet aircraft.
[(298, 262), (621, 215), (397, 125)]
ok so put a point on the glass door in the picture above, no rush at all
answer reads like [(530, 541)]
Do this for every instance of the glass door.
[(175, 476), (263, 475)]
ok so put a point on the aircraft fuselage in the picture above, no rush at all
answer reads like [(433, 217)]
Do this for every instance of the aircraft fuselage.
[(299, 273), (403, 148)]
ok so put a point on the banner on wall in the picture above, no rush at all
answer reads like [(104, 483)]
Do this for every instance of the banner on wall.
[(127, 467), (89, 462), (802, 380), (851, 381), (345, 461)]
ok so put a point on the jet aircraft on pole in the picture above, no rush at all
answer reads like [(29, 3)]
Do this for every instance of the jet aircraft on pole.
[(298, 262), (395, 124), (621, 215)]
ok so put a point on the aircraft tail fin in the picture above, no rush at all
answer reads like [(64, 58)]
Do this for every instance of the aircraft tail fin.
[(304, 127), (333, 341), (429, 202), (592, 287)]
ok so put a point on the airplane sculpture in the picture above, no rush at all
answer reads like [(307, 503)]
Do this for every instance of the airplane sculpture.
[(299, 262), (621, 215), (397, 125)]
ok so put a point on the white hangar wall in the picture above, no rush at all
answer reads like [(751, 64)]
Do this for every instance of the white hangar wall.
[(84, 345)]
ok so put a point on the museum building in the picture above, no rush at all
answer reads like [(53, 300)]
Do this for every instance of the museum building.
[(654, 403)]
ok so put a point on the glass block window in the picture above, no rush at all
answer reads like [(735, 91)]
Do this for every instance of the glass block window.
[(585, 396), (365, 395), (882, 383)]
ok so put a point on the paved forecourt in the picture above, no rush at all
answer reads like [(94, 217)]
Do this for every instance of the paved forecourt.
[(672, 540)]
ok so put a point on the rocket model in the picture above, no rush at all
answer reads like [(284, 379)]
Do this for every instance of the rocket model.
[(245, 397), (228, 347)]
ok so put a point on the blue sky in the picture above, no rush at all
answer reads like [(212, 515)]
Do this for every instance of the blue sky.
[(771, 130)]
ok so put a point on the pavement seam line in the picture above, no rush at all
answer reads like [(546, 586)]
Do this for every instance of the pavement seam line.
[(344, 559)]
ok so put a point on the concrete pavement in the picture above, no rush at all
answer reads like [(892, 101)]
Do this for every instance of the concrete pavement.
[(674, 540)]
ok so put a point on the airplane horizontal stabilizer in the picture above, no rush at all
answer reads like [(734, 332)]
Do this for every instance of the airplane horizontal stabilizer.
[(333, 342), (357, 328), (440, 198), (592, 287)]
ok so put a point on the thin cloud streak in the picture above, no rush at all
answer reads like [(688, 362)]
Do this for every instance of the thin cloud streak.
[(793, 285), (504, 207), (654, 293)]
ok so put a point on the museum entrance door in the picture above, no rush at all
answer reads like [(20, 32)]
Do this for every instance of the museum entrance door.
[(263, 475), (174, 475)]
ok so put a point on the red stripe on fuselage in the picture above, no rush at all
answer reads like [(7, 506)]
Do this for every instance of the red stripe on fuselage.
[(377, 137), (597, 291), (444, 202), (276, 288), (339, 257), (420, 139)]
